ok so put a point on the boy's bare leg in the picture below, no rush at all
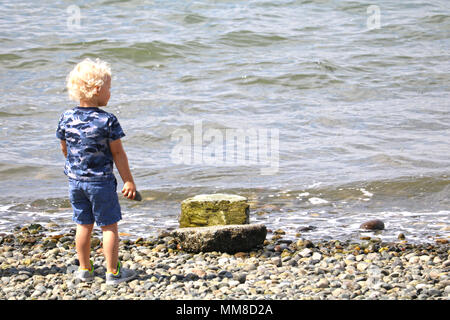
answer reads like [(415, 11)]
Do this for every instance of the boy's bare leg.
[(83, 244), (111, 246)]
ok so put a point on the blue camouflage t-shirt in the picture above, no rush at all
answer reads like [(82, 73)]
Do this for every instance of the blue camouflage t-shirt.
[(88, 131)]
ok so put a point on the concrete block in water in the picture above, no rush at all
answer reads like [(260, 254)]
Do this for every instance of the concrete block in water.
[(225, 238), (214, 209)]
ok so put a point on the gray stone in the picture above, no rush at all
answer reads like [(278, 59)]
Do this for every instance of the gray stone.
[(305, 252), (323, 283), (241, 277), (362, 266), (226, 238), (373, 225), (316, 256), (225, 274), (276, 261), (434, 292), (40, 288), (22, 277)]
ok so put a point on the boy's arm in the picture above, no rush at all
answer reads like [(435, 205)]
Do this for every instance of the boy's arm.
[(64, 147), (121, 161)]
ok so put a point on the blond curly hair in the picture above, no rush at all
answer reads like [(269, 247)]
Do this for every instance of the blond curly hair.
[(85, 77)]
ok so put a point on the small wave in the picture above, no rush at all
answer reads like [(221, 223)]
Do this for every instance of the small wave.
[(13, 170), (246, 38), (9, 56), (438, 19), (10, 114), (142, 52)]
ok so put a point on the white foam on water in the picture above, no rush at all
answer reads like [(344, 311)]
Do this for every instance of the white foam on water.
[(315, 184), (315, 200), (303, 194), (290, 217), (366, 193), (4, 208), (412, 214)]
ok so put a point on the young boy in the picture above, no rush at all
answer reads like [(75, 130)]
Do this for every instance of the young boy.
[(90, 141)]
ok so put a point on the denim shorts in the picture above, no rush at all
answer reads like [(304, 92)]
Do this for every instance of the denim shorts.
[(94, 201)]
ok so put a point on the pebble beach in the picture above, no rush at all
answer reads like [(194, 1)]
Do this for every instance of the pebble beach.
[(37, 263)]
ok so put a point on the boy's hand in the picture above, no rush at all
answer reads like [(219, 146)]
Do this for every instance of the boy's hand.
[(129, 190)]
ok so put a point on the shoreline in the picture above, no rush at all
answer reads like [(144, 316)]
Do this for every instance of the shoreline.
[(35, 265)]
